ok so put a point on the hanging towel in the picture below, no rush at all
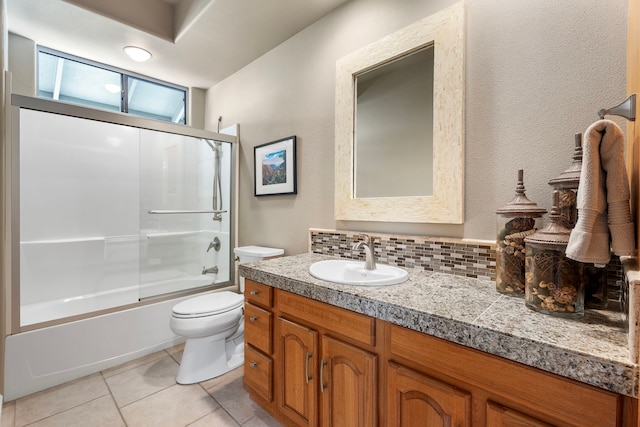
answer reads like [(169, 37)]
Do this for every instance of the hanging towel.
[(604, 216)]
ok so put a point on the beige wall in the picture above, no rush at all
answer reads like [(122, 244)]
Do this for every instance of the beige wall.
[(536, 73)]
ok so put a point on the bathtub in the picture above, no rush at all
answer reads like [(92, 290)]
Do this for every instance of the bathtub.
[(70, 277), (42, 358)]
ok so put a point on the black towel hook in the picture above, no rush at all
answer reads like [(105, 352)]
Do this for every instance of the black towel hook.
[(626, 109)]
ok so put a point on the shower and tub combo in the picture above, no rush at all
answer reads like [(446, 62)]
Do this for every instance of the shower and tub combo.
[(115, 220)]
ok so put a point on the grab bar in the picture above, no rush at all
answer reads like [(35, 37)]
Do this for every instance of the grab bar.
[(165, 212)]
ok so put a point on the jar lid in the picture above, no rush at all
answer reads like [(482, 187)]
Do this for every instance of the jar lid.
[(570, 178), (554, 232), (521, 204)]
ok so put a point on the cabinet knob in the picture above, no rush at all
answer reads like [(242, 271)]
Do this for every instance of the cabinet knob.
[(253, 318), (253, 364), (254, 292)]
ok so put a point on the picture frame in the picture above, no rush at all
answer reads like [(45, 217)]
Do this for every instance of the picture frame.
[(274, 165)]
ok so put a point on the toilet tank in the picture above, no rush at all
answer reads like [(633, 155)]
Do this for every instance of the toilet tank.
[(245, 254)]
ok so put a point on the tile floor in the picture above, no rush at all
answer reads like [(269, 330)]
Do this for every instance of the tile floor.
[(142, 392)]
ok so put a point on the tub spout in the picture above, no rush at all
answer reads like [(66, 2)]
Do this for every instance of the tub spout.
[(213, 270)]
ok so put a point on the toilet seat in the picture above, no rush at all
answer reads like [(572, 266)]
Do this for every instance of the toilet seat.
[(208, 305)]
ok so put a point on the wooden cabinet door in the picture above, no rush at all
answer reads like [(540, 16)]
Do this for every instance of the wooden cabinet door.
[(501, 416), (348, 384), (417, 400), (298, 362)]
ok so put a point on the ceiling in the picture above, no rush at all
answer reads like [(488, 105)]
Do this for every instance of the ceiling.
[(195, 43)]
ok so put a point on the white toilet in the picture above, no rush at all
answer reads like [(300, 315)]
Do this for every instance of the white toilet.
[(213, 325)]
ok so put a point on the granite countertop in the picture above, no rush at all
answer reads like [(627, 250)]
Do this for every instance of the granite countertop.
[(593, 349)]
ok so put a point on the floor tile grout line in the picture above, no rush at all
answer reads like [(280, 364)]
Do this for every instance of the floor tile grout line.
[(61, 412), (219, 404), (113, 399), (143, 397)]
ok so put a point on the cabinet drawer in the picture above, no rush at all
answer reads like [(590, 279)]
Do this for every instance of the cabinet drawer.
[(258, 293), (354, 326), (257, 327), (258, 372)]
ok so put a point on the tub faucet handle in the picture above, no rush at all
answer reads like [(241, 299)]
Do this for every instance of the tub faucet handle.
[(214, 244)]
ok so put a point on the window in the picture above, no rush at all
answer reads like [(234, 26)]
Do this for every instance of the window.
[(71, 79)]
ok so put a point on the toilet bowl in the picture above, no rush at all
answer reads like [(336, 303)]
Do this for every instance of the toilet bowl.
[(213, 326)]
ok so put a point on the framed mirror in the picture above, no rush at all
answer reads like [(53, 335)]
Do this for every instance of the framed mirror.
[(400, 125)]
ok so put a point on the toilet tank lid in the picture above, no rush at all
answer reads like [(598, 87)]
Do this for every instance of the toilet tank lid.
[(258, 251)]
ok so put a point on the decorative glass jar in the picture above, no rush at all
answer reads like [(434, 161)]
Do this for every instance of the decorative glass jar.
[(554, 282), (566, 185), (516, 220)]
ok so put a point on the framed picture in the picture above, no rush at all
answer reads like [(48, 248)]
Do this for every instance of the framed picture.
[(275, 167)]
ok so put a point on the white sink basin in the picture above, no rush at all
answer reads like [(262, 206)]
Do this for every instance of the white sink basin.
[(346, 272)]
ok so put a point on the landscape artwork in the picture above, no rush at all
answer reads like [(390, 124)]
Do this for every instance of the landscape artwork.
[(274, 164), (274, 168)]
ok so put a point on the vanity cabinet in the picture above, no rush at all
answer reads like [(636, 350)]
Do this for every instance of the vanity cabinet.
[(327, 366)]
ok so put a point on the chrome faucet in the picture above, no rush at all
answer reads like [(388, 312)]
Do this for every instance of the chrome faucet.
[(213, 270), (370, 259)]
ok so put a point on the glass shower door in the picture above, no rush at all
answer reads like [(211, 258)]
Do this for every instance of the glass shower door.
[(78, 216), (184, 243)]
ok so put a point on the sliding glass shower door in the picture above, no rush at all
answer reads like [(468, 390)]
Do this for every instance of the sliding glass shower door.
[(111, 214), (185, 187)]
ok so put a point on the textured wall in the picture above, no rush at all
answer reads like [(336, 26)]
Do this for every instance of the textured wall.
[(536, 73)]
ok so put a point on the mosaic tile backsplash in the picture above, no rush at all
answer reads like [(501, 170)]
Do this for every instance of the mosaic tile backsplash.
[(453, 256), (467, 258)]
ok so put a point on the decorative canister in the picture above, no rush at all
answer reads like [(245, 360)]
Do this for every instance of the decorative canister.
[(566, 185), (553, 282), (516, 220)]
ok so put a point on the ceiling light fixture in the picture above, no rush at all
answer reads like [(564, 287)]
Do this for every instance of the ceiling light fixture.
[(137, 53)]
